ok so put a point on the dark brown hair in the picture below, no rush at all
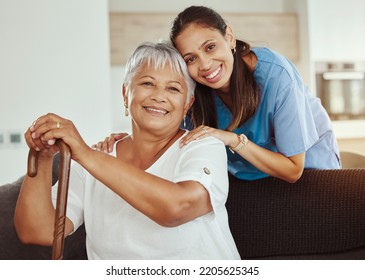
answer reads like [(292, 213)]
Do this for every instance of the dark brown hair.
[(243, 88)]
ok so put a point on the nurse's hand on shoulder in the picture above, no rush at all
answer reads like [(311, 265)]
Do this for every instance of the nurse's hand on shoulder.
[(227, 137), (107, 145)]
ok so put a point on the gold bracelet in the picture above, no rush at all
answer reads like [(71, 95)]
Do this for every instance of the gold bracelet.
[(243, 141)]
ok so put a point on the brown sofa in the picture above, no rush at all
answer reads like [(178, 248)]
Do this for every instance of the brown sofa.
[(322, 216)]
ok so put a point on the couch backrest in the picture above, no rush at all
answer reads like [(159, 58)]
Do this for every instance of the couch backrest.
[(323, 212)]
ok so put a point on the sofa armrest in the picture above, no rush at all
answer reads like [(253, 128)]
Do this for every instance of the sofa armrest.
[(321, 213)]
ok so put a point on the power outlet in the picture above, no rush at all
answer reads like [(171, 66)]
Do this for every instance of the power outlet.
[(15, 138), (10, 139), (2, 139)]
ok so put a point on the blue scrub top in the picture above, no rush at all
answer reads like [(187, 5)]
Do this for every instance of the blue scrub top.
[(289, 119)]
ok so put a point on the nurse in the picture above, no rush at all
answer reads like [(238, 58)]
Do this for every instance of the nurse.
[(254, 100)]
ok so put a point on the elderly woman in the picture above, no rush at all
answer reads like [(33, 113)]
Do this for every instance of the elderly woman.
[(149, 199)]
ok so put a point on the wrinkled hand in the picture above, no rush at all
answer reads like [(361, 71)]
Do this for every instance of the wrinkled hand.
[(107, 145), (44, 149), (227, 137), (42, 135)]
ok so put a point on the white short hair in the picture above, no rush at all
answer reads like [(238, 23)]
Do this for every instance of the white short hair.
[(158, 54)]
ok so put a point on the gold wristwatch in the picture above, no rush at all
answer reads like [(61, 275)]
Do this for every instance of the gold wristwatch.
[(243, 141)]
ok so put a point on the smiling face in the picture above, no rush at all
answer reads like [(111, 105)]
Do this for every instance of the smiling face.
[(208, 55), (157, 98)]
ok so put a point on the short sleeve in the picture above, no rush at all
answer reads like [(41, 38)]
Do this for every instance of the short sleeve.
[(205, 161)]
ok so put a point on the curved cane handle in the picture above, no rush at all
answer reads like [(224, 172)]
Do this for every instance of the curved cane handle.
[(61, 204), (32, 163)]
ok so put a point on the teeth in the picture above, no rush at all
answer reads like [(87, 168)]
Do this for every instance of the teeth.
[(213, 74), (156, 110)]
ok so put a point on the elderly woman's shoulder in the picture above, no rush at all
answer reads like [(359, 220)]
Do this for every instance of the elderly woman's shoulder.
[(209, 142)]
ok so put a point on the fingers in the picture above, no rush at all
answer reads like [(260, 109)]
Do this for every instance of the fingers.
[(35, 144), (107, 145), (102, 146), (43, 132), (44, 150), (51, 142), (118, 136), (198, 133)]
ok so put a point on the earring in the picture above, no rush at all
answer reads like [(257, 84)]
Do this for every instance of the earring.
[(126, 112), (233, 50), (184, 121)]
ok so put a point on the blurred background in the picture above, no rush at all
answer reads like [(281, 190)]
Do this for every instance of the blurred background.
[(68, 56)]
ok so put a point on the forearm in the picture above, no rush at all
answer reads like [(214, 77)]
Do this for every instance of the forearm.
[(34, 212), (269, 162), (273, 163), (165, 202)]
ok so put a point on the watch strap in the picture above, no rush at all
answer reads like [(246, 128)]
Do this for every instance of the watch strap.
[(242, 142)]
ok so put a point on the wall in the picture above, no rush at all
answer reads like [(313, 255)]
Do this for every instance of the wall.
[(270, 6), (337, 29), (303, 64), (54, 58)]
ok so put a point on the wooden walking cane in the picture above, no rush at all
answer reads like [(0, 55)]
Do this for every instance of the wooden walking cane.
[(60, 215)]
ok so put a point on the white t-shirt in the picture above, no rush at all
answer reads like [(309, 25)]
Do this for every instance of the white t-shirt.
[(116, 230)]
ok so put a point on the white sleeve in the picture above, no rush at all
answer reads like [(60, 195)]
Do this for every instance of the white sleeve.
[(205, 161)]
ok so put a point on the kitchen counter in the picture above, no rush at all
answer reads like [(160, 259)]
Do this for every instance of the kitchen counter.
[(349, 129), (350, 135)]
